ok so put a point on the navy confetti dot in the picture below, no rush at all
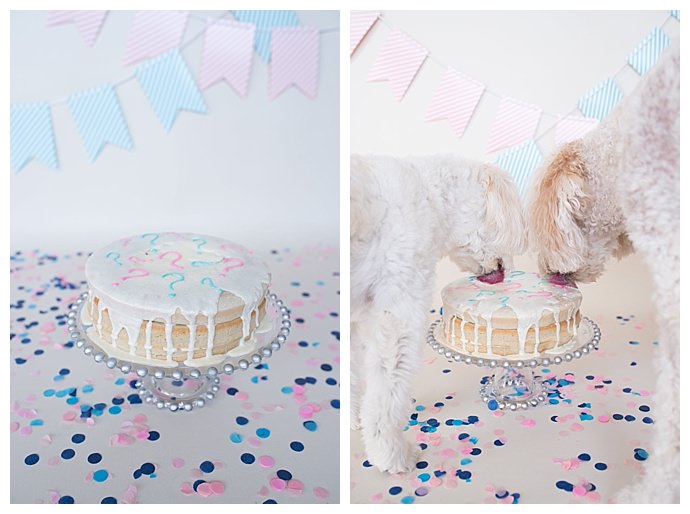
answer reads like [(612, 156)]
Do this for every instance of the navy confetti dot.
[(422, 464), (600, 466), (66, 499), (296, 446), (147, 468), (284, 474), (641, 454), (31, 459), (584, 457), (247, 458), (565, 486), (207, 466), (108, 499), (78, 438), (644, 408), (197, 483), (241, 420), (154, 435), (94, 458), (67, 453)]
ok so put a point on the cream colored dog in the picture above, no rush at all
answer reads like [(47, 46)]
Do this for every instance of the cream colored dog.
[(615, 190)]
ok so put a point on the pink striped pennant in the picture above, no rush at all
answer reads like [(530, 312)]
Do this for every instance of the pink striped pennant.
[(360, 24), (227, 54), (570, 128), (295, 54), (153, 33), (515, 123), (455, 100), (398, 62), (88, 23)]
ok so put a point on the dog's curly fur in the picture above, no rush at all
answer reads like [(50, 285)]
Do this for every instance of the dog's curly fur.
[(406, 214), (616, 189)]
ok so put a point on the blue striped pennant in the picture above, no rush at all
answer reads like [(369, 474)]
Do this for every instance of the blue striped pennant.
[(266, 21), (648, 51), (99, 119), (675, 14), (169, 87), (520, 162), (31, 135), (600, 100)]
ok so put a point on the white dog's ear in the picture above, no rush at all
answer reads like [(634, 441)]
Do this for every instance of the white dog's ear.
[(556, 211), (504, 213)]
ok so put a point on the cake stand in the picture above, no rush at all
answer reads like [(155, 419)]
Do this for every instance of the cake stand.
[(513, 384), (181, 387)]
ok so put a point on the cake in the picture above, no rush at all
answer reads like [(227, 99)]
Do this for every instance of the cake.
[(171, 298), (521, 316)]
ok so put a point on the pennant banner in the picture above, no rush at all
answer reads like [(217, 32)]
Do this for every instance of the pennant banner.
[(398, 62), (456, 99), (99, 119), (649, 51), (265, 22), (88, 23), (227, 54), (600, 100), (169, 87), (515, 123), (570, 128), (31, 135), (520, 163), (675, 14), (153, 33), (294, 61), (360, 24)]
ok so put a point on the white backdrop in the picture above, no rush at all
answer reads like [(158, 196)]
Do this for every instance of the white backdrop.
[(548, 59), (260, 172)]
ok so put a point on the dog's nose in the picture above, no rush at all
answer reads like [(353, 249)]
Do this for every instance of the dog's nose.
[(561, 279), (493, 277)]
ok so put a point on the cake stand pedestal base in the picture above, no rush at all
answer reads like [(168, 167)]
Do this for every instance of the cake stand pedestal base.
[(178, 394), (512, 388)]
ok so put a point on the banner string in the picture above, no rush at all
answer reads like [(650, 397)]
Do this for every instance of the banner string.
[(224, 16), (496, 94)]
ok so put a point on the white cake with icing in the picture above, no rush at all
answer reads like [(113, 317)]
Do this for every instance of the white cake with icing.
[(521, 316), (174, 297)]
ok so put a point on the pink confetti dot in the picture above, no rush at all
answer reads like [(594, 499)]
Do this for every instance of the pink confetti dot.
[(27, 430), (69, 416), (528, 423), (54, 461), (277, 484), (604, 418), (217, 487), (498, 431), (321, 493), (186, 489), (435, 482), (266, 461), (576, 427), (254, 442), (140, 418), (14, 426), (196, 473), (242, 396), (295, 487), (177, 462), (204, 489), (579, 490), (375, 498), (450, 483)]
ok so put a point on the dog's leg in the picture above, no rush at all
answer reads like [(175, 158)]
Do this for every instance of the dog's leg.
[(357, 351), (393, 352)]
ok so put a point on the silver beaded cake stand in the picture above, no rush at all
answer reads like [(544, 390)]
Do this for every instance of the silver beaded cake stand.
[(513, 384), (176, 386)]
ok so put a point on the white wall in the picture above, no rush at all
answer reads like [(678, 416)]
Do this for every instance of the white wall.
[(548, 59), (260, 172)]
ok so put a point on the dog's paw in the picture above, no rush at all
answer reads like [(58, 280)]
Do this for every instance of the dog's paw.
[(400, 459), (354, 423)]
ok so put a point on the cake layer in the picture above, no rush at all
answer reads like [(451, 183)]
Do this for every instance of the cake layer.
[(521, 316)]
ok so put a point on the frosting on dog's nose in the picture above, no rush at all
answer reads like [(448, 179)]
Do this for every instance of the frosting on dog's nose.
[(561, 279), (493, 277)]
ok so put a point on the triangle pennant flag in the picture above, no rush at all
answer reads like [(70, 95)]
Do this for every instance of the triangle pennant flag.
[(169, 87), (515, 122), (456, 99), (31, 135), (520, 163), (600, 100), (227, 54), (648, 52), (570, 128), (294, 60), (675, 14), (153, 33), (360, 24), (88, 23), (265, 22), (99, 119), (398, 62)]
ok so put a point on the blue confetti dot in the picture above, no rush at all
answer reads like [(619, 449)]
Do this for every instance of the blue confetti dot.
[(154, 435), (197, 483), (641, 454), (422, 464), (241, 420), (67, 453), (48, 392), (31, 459), (296, 446), (284, 474), (207, 466), (498, 442), (64, 371), (247, 458), (118, 400), (492, 404), (331, 381), (310, 425), (263, 433), (644, 408), (109, 499), (463, 475), (147, 468), (236, 438), (136, 474), (407, 499), (584, 457), (88, 388), (94, 458), (232, 391), (395, 490), (600, 466), (366, 464), (115, 409), (270, 502), (424, 477), (335, 404), (66, 499), (286, 390), (647, 420), (100, 476), (78, 438), (36, 422), (565, 486), (72, 400)]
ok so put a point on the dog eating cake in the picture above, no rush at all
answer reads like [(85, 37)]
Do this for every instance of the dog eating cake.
[(521, 316), (171, 298)]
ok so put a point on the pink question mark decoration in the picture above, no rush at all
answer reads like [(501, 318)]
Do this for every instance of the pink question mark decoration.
[(540, 294), (135, 259), (134, 273), (238, 263), (173, 263)]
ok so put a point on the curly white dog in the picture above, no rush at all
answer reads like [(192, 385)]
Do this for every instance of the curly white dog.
[(615, 190), (406, 214)]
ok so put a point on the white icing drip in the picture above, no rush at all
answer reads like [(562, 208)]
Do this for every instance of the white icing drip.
[(558, 327), (169, 348), (452, 329), (147, 343), (476, 335), (211, 328), (536, 338), (463, 339), (192, 340)]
